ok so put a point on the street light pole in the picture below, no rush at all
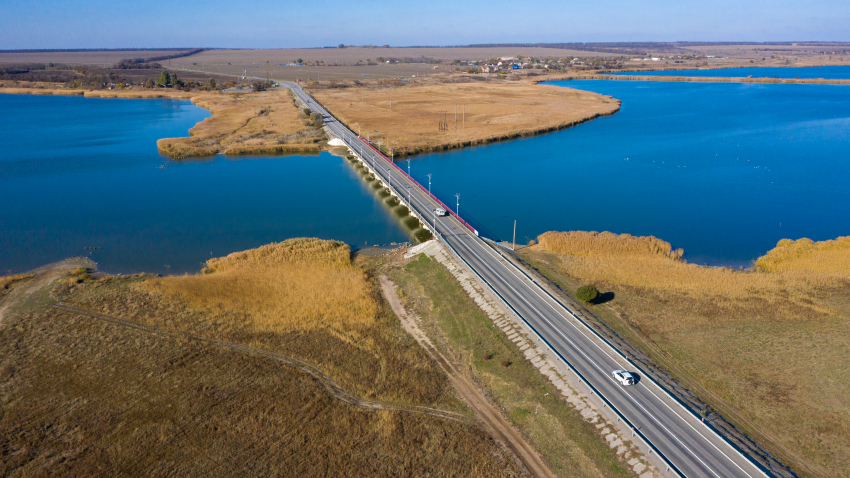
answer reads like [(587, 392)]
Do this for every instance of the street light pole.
[(389, 178), (435, 220), (408, 166), (429, 183), (457, 208)]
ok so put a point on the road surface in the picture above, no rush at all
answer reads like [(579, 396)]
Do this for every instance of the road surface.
[(688, 446)]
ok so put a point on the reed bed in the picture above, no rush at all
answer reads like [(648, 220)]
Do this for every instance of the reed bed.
[(35, 91), (649, 263), (831, 257), (704, 79), (407, 118), (296, 285), (766, 347), (255, 123)]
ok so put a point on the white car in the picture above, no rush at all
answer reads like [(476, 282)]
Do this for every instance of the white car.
[(440, 211), (625, 378)]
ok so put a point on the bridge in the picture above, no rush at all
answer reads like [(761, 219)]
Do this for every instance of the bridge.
[(686, 445)]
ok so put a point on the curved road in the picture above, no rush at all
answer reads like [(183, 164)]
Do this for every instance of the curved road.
[(683, 442)]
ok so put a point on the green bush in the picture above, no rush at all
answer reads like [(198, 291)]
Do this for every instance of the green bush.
[(587, 293), (401, 211), (422, 235), (411, 222)]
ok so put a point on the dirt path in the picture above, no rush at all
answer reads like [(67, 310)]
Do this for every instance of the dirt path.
[(330, 387), (488, 415), (37, 289)]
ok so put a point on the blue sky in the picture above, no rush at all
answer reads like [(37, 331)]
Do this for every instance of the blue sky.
[(276, 24)]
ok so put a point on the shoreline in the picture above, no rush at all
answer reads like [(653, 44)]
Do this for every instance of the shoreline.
[(701, 79), (724, 67)]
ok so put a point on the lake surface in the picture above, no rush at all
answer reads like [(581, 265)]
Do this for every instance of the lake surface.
[(723, 170), (82, 172), (808, 72)]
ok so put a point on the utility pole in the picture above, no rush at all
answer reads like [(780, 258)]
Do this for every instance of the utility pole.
[(457, 208), (455, 115), (464, 116), (429, 183), (514, 247)]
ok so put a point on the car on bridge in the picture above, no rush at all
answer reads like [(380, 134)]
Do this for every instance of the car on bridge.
[(439, 211), (625, 378)]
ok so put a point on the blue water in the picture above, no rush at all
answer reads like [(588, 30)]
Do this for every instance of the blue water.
[(81, 172), (825, 72), (721, 170)]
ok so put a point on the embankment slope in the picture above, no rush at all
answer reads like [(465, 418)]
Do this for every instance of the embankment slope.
[(766, 349)]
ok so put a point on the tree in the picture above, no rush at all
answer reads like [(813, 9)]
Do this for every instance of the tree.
[(164, 78), (150, 83), (299, 61), (587, 293), (341, 46), (211, 84)]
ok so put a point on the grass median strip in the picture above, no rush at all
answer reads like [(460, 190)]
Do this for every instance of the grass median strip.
[(567, 442)]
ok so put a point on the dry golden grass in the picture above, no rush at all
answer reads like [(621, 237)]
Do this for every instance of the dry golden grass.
[(650, 263), (767, 349), (297, 285), (141, 93), (41, 91), (6, 281), (704, 79), (831, 257), (493, 111), (82, 397), (253, 123), (138, 93)]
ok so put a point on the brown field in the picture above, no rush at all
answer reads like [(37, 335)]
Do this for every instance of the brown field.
[(486, 111), (84, 397), (766, 349), (246, 123), (342, 63), (99, 58)]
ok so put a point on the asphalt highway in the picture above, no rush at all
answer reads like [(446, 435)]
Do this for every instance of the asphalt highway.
[(682, 441)]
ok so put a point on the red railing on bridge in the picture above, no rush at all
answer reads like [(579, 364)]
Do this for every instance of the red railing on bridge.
[(448, 209)]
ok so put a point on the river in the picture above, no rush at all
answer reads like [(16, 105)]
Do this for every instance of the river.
[(723, 170), (80, 173)]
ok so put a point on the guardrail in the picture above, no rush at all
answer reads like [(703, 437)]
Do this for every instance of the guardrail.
[(635, 430), (448, 209), (652, 379)]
